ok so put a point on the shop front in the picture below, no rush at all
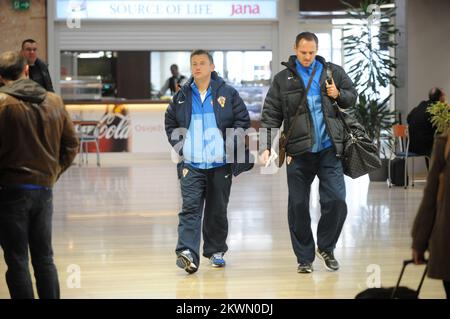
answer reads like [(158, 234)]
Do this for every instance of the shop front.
[(109, 59)]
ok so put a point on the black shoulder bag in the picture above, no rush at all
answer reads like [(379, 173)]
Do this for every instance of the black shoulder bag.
[(359, 155)]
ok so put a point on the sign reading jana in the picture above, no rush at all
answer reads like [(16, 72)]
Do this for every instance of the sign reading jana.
[(153, 10)]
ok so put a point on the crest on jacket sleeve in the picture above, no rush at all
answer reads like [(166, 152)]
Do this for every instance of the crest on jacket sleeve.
[(221, 100)]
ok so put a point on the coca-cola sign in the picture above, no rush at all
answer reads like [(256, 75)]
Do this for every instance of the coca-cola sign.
[(115, 126)]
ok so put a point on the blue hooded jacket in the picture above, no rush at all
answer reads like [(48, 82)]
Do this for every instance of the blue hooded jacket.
[(229, 112)]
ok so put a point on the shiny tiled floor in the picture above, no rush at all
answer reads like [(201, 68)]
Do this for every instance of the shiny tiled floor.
[(115, 230)]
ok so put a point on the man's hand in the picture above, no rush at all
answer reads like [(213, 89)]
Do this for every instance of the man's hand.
[(264, 157), (332, 90), (288, 159), (418, 257)]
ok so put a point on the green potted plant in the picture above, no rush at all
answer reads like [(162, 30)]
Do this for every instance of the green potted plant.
[(368, 50), (440, 116)]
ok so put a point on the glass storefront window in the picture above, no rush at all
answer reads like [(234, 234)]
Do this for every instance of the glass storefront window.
[(247, 66), (234, 66), (248, 71), (78, 69), (160, 62)]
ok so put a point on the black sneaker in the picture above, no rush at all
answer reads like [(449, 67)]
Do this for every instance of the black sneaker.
[(186, 261), (330, 263), (305, 268)]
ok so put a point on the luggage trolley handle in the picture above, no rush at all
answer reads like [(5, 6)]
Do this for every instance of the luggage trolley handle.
[(406, 263)]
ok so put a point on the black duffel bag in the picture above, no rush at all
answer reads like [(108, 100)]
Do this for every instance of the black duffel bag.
[(359, 155)]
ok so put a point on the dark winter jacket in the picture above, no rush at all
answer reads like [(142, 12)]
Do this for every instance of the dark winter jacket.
[(421, 132), (232, 114), (284, 97), (44, 79)]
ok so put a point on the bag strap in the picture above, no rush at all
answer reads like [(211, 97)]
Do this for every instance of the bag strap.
[(291, 128), (339, 113), (341, 117)]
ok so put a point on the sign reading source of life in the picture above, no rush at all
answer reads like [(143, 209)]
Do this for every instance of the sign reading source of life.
[(173, 9), (21, 5)]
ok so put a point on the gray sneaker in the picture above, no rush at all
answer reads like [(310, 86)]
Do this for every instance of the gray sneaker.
[(305, 268), (186, 261), (330, 263), (217, 260)]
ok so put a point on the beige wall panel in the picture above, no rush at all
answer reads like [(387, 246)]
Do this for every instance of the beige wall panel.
[(19, 25)]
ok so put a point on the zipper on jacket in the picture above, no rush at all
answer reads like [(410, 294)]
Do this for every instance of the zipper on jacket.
[(316, 126), (204, 159)]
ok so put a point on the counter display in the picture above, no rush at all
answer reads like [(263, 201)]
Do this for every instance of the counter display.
[(135, 126), (126, 126)]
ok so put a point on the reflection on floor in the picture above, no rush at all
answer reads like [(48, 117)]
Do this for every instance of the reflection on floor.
[(115, 230)]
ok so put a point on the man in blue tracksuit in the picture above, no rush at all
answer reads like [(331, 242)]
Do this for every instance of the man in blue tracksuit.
[(200, 113)]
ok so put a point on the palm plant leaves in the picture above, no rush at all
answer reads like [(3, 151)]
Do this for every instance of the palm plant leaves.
[(371, 68)]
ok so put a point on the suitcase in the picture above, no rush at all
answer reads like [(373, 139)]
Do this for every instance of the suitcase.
[(397, 292), (398, 172)]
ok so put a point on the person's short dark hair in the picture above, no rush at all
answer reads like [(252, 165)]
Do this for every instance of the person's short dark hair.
[(308, 36), (12, 65), (202, 52), (174, 69), (435, 94), (27, 41)]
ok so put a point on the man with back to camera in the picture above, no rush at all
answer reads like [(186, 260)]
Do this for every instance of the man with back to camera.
[(313, 148), (38, 70), (421, 131), (205, 107), (37, 144), (174, 82)]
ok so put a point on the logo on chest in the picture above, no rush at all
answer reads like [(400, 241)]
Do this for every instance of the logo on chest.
[(221, 100)]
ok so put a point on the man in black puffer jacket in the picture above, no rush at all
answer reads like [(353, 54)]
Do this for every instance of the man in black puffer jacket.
[(313, 148)]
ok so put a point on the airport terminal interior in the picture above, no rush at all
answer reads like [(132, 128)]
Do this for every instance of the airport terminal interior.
[(116, 226), (116, 209)]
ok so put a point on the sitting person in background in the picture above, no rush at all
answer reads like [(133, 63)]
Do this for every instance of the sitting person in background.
[(430, 230), (174, 82), (421, 131)]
